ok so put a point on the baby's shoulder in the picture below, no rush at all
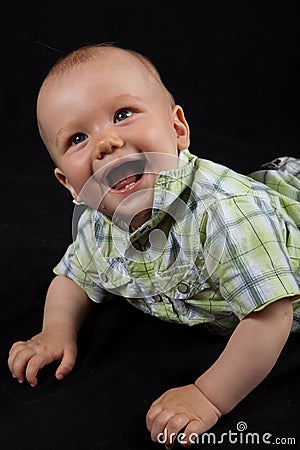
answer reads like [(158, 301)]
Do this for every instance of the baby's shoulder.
[(222, 181)]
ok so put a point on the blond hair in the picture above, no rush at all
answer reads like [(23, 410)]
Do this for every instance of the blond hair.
[(87, 52)]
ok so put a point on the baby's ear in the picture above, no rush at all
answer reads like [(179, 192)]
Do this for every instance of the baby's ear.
[(182, 128), (65, 182)]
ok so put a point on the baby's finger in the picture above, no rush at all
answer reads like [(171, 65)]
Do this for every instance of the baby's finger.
[(151, 415), (67, 364), (18, 360), (36, 363), (160, 424), (15, 349), (174, 425), (15, 346), (193, 429)]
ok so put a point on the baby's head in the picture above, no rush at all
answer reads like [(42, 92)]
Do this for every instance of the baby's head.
[(110, 125)]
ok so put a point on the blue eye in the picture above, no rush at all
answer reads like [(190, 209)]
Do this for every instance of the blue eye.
[(78, 138), (122, 115)]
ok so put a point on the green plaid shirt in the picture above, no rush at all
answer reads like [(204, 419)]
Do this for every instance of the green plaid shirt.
[(218, 246)]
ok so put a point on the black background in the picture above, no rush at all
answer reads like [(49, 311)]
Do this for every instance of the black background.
[(234, 67)]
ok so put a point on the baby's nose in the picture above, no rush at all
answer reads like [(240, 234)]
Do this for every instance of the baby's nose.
[(107, 144)]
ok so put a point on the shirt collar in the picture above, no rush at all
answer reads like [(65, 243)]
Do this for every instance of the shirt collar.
[(168, 187)]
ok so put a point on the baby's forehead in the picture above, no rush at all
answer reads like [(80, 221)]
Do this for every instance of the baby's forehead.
[(104, 59), (102, 63)]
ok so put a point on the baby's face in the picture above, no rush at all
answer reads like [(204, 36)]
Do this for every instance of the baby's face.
[(110, 128)]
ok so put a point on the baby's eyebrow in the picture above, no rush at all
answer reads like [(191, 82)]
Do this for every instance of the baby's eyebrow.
[(65, 130), (127, 97), (59, 135)]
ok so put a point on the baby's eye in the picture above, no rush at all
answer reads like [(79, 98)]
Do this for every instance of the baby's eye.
[(122, 114), (77, 138)]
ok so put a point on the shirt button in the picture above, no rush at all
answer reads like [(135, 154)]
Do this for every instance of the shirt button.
[(183, 288), (104, 277), (157, 298)]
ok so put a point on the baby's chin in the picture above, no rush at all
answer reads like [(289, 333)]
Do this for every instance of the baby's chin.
[(134, 210)]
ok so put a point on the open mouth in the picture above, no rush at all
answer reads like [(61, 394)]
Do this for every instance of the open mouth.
[(126, 175)]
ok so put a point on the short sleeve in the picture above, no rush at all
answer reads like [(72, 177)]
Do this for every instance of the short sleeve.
[(254, 267), (78, 262)]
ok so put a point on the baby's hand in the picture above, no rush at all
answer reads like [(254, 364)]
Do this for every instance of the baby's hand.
[(184, 409), (27, 358)]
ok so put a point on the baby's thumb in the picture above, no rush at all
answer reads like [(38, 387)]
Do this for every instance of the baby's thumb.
[(66, 365)]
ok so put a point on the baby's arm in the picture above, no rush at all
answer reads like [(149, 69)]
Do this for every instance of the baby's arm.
[(248, 357), (66, 307)]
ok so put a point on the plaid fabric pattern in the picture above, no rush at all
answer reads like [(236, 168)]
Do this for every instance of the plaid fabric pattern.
[(218, 246), (284, 164)]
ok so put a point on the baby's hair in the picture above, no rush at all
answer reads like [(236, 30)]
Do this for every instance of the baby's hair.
[(86, 52)]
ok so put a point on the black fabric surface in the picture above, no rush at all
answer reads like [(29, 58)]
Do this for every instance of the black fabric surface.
[(126, 360), (235, 70)]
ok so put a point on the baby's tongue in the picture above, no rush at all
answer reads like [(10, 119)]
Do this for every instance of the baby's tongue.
[(125, 182)]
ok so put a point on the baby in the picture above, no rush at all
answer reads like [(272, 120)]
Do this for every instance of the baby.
[(182, 238)]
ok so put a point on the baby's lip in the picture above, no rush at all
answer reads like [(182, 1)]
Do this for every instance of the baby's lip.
[(120, 169), (125, 173)]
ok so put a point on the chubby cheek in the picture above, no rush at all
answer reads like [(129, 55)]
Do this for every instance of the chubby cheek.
[(160, 136), (77, 172)]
